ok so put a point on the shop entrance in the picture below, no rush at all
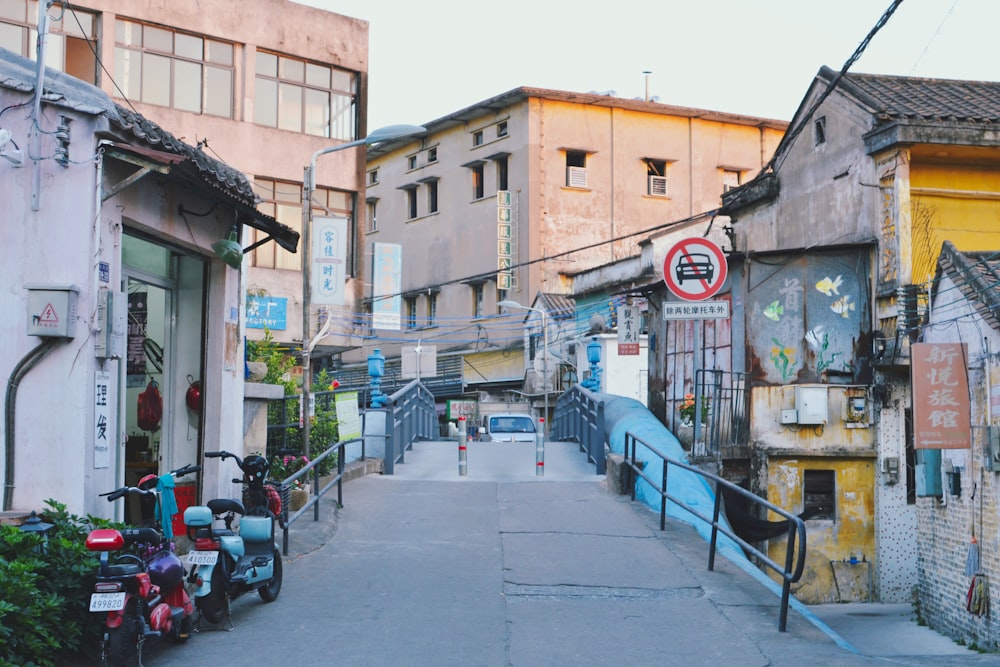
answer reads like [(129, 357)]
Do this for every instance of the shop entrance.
[(165, 289)]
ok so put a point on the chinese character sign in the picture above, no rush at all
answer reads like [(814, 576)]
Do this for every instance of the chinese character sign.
[(628, 330), (266, 312), (941, 410), (329, 261), (102, 421)]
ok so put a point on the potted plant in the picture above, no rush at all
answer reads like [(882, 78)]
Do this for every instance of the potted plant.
[(687, 410), (283, 467)]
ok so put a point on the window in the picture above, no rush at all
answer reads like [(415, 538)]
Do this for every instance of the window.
[(373, 177), (432, 309), (411, 312), (478, 191), (819, 131), (477, 300), (432, 155), (656, 178), (432, 197), (477, 138), (502, 128), (411, 203), (731, 178), (174, 69), (305, 97), (576, 169), (283, 202), (71, 36), (818, 494), (501, 163), (372, 215), (411, 162)]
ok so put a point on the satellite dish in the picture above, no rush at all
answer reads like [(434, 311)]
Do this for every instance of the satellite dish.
[(597, 324)]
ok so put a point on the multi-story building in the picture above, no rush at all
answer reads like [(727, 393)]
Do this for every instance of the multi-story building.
[(503, 200), (259, 84)]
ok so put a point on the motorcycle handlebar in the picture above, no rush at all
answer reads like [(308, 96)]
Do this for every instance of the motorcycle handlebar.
[(224, 455)]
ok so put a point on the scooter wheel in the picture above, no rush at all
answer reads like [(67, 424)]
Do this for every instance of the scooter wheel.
[(270, 592), (213, 605), (125, 641)]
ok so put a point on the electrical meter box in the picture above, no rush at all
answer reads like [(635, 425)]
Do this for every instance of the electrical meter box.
[(112, 318), (811, 404), (51, 310)]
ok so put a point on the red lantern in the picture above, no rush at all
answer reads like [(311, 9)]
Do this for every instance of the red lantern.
[(193, 396)]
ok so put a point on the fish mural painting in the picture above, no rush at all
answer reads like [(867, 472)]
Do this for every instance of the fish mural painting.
[(830, 287), (774, 311), (843, 306)]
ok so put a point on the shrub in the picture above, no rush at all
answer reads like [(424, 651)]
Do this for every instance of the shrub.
[(45, 590)]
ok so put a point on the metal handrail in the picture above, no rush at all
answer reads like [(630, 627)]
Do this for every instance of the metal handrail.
[(796, 526), (413, 417), (579, 417), (317, 493)]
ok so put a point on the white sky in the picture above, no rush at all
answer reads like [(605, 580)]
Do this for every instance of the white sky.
[(428, 58)]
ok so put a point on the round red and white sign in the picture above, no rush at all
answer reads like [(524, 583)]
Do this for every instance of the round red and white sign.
[(695, 269)]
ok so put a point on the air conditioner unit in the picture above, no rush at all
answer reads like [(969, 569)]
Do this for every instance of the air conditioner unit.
[(658, 186), (576, 177)]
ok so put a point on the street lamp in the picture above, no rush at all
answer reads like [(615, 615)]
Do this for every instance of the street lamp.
[(545, 358), (380, 135)]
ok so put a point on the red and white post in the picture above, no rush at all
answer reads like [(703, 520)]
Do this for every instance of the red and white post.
[(463, 461)]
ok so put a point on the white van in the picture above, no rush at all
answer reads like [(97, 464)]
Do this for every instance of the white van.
[(509, 427)]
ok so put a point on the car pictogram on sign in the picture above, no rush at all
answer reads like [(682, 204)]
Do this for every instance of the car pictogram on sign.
[(694, 265)]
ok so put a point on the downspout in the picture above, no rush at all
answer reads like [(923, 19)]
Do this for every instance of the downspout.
[(26, 364), (36, 115)]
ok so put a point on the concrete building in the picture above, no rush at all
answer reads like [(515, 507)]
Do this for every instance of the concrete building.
[(505, 199), (262, 84), (831, 245), (113, 290)]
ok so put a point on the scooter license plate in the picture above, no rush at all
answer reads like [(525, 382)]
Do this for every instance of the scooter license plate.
[(202, 557), (107, 601)]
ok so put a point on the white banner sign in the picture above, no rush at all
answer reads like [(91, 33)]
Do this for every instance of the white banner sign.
[(695, 310), (329, 261), (103, 433)]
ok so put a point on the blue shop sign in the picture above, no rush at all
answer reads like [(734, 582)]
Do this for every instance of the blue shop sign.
[(267, 312)]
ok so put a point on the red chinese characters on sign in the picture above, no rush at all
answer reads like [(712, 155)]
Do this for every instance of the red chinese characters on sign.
[(941, 406)]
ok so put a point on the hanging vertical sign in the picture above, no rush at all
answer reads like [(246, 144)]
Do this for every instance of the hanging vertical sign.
[(102, 421), (504, 238), (329, 261), (941, 406), (628, 330), (387, 284), (135, 354)]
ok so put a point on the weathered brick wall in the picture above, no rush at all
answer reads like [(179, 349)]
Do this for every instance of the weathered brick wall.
[(944, 536)]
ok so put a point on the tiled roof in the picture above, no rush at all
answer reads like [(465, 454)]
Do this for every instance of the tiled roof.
[(903, 97), (197, 167), (977, 277), (558, 306)]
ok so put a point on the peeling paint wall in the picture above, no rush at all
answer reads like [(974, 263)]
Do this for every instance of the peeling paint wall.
[(840, 550)]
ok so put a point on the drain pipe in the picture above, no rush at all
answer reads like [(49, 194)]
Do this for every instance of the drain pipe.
[(33, 357)]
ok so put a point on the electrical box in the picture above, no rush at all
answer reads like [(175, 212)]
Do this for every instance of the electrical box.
[(51, 310), (890, 468), (928, 473), (811, 404), (789, 416), (112, 319)]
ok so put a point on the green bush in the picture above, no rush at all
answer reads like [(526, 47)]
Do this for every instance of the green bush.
[(45, 590), (278, 362)]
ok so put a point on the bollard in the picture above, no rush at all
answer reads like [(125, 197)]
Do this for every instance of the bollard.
[(463, 461), (540, 450)]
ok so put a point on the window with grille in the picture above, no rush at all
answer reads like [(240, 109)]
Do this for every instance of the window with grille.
[(819, 494), (576, 169), (174, 69), (656, 178), (477, 300), (432, 308), (411, 312), (304, 97)]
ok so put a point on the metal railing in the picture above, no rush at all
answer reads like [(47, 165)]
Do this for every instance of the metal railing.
[(726, 395), (312, 470), (579, 417), (410, 416), (794, 564)]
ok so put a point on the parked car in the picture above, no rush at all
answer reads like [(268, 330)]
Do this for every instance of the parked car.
[(508, 428)]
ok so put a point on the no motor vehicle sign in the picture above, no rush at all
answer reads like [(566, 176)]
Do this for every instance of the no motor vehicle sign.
[(695, 269)]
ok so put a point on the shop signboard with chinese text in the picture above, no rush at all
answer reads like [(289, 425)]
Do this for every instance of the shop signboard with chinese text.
[(941, 405), (628, 330)]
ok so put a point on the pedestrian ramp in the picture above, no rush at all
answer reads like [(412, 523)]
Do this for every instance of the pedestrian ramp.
[(495, 462)]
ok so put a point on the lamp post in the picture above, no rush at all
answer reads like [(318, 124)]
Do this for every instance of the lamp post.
[(545, 358), (380, 135)]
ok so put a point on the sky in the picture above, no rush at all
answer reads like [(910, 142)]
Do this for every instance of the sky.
[(429, 58)]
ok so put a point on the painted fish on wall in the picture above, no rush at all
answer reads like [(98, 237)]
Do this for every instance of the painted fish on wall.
[(830, 287)]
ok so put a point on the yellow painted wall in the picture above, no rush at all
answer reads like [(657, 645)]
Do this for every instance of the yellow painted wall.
[(956, 203), (492, 366), (829, 576)]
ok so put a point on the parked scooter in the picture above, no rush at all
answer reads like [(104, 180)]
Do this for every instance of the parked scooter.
[(227, 563), (140, 585)]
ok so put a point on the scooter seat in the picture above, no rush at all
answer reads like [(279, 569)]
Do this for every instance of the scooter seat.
[(223, 505), (124, 570)]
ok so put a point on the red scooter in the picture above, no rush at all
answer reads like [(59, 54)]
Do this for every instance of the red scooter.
[(140, 585)]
